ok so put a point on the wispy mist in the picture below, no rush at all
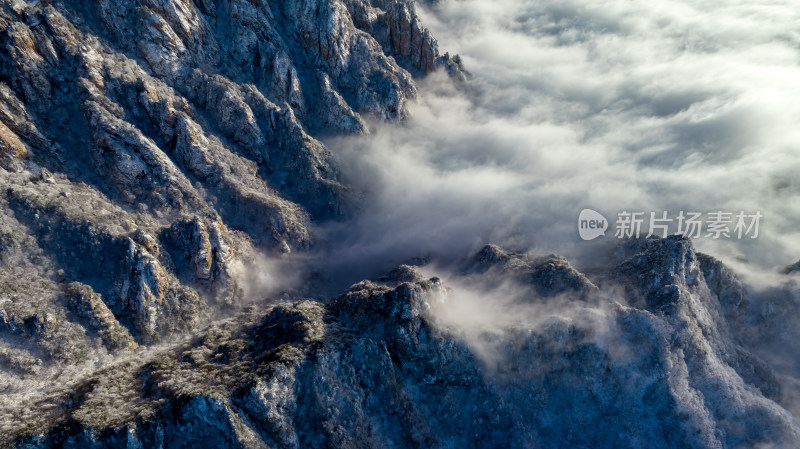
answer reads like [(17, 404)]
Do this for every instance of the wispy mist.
[(487, 310)]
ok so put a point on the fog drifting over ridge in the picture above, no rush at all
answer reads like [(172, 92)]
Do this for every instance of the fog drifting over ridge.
[(619, 105)]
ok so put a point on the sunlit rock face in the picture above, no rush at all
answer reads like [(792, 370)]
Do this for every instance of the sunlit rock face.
[(152, 151)]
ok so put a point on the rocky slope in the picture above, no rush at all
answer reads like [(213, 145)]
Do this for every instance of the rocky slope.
[(382, 366), (149, 150), (152, 150)]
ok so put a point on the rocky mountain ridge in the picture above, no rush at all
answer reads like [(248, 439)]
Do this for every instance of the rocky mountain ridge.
[(150, 149), (379, 367)]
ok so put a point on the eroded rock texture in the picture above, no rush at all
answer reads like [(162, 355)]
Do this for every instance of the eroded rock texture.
[(150, 149), (377, 367)]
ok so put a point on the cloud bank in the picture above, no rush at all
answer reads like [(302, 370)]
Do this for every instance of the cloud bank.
[(615, 105)]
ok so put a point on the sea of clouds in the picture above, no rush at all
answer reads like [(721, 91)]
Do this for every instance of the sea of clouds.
[(611, 105)]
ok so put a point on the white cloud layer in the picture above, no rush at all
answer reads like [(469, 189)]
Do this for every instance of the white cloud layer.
[(613, 105)]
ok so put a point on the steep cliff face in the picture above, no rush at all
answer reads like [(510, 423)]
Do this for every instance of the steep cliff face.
[(380, 366), (150, 149)]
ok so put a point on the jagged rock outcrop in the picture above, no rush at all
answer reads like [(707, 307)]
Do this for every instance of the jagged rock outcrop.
[(549, 275), (793, 268), (377, 367), (396, 25), (89, 306), (201, 256)]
